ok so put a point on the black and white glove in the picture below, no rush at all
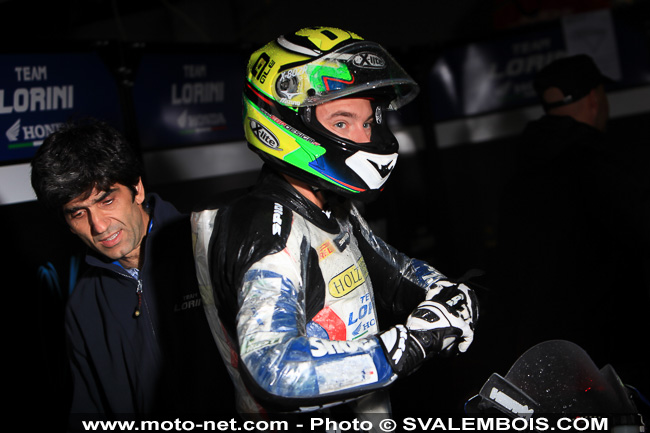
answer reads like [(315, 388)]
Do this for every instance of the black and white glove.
[(443, 322), (447, 305)]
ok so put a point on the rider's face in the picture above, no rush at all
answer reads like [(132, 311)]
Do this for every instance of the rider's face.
[(349, 118)]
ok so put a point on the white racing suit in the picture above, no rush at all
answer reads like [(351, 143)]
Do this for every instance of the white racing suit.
[(293, 297)]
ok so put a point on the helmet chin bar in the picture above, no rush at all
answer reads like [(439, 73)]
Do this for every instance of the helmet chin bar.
[(370, 162), (374, 169)]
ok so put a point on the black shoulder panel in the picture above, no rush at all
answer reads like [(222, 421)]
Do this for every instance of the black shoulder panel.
[(245, 230)]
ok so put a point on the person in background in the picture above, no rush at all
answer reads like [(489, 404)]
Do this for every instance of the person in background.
[(137, 336), (296, 278), (574, 231)]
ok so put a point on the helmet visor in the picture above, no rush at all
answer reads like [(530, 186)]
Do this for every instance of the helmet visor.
[(355, 68)]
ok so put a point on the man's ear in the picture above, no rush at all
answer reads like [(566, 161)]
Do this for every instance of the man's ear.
[(593, 105), (552, 94), (592, 98), (139, 192)]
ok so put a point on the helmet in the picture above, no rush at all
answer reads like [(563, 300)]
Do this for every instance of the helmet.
[(289, 77)]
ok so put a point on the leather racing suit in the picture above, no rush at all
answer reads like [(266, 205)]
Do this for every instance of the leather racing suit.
[(293, 296)]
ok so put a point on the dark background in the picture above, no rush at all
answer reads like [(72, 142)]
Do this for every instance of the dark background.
[(440, 204)]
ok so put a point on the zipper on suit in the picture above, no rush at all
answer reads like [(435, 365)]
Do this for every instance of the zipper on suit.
[(138, 291)]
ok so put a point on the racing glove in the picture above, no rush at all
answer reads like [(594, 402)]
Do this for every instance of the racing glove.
[(442, 323)]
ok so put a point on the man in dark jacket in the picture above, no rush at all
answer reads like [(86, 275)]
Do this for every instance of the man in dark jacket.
[(574, 233), (138, 339)]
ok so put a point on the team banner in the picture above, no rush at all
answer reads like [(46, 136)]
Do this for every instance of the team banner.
[(188, 99), (497, 75), (39, 92)]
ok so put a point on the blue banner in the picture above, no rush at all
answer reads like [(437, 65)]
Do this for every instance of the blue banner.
[(491, 76), (497, 75), (188, 99), (39, 92)]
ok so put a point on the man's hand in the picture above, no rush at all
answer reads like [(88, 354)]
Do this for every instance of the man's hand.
[(444, 322)]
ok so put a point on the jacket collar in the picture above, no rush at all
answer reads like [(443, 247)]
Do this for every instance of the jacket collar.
[(272, 185)]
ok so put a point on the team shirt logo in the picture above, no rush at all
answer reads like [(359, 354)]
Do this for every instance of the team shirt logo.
[(349, 279), (325, 250)]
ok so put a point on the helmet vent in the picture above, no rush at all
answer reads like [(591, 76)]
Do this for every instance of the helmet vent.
[(283, 42), (329, 34), (384, 169)]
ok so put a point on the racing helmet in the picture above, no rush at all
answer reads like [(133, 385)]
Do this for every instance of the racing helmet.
[(290, 76)]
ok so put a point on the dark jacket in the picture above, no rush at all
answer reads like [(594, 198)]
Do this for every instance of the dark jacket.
[(574, 237), (163, 360)]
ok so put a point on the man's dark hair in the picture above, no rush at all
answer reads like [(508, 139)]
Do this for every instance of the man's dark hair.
[(79, 157)]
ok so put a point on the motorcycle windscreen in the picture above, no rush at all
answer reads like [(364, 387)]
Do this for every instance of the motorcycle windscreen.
[(554, 377)]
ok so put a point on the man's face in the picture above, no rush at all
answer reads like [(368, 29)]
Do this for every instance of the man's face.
[(351, 118), (111, 222)]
